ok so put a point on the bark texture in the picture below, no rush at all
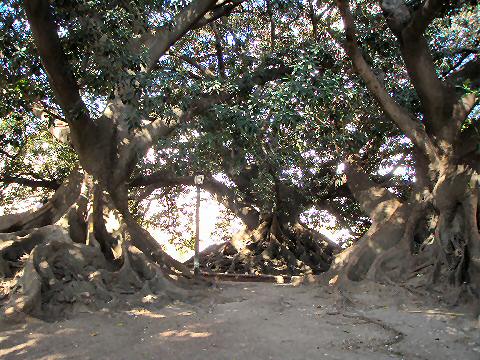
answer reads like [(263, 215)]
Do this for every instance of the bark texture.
[(271, 248), (61, 277), (446, 192)]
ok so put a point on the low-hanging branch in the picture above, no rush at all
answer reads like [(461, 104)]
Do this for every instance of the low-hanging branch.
[(33, 183)]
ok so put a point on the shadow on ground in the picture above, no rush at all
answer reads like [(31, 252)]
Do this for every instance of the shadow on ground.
[(257, 321)]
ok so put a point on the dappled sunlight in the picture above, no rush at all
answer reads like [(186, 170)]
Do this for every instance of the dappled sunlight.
[(167, 312), (286, 320), (185, 333), (17, 344), (18, 349), (146, 313), (185, 313), (437, 313)]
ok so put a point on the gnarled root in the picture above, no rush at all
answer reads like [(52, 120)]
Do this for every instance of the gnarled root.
[(64, 197), (61, 277), (16, 245), (272, 248)]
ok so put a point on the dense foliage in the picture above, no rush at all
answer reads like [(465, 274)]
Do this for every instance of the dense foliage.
[(292, 112)]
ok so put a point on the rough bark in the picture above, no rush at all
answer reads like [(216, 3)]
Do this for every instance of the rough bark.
[(388, 216), (61, 277), (107, 149), (447, 167), (272, 248)]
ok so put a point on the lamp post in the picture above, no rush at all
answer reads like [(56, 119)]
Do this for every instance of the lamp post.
[(198, 180)]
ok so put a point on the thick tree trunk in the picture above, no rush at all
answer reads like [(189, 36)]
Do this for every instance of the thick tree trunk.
[(355, 262), (387, 251), (457, 232)]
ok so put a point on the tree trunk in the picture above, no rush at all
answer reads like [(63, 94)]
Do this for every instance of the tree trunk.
[(457, 232), (446, 156), (272, 247), (387, 252)]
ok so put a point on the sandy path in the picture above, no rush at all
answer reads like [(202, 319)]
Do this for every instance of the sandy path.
[(256, 321)]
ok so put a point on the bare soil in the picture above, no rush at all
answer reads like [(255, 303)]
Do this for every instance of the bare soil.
[(258, 321)]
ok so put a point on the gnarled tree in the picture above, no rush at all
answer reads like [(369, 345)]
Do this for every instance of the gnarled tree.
[(446, 162)]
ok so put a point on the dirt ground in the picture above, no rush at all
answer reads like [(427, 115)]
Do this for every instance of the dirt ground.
[(258, 321)]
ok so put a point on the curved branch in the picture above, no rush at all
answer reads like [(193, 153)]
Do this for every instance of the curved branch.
[(221, 192), (54, 60), (141, 140), (223, 9), (469, 72), (375, 200), (219, 50), (49, 184), (413, 129), (171, 33), (424, 15), (49, 213)]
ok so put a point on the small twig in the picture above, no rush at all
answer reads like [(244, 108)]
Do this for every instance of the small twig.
[(399, 336), (434, 312)]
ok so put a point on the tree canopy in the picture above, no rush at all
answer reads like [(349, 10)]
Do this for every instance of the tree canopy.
[(293, 110)]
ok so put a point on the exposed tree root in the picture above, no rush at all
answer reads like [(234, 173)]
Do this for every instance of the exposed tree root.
[(406, 238), (142, 239), (65, 196), (272, 248), (61, 277), (14, 246), (395, 338)]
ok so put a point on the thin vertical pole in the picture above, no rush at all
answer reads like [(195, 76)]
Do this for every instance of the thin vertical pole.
[(196, 260)]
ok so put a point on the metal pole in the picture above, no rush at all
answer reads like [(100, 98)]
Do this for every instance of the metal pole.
[(196, 260)]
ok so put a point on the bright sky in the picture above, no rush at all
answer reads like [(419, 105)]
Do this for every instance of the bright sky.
[(210, 214)]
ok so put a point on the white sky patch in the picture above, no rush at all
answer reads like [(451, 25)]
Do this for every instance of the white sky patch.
[(210, 214), (326, 224), (350, 128), (230, 40), (400, 171), (150, 156), (223, 179)]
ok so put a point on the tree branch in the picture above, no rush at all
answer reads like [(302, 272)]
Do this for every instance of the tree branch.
[(437, 99), (375, 200), (222, 9), (424, 15), (222, 193), (49, 184), (142, 139), (219, 51), (470, 71), (194, 16), (7, 154), (60, 75), (205, 71), (171, 33), (86, 134), (413, 129)]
